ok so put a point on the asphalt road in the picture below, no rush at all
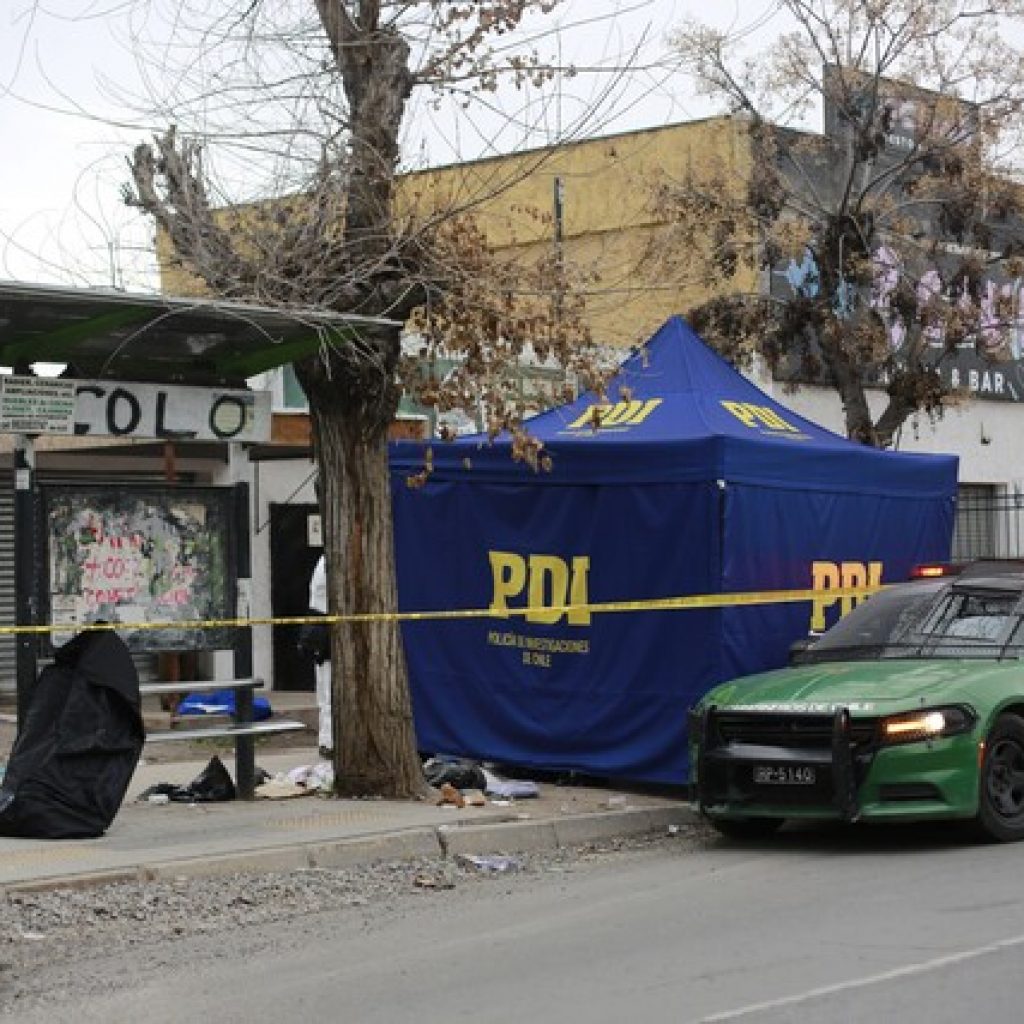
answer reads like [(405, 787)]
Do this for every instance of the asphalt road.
[(835, 926)]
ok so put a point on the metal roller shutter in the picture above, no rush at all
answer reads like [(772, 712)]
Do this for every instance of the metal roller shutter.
[(8, 681)]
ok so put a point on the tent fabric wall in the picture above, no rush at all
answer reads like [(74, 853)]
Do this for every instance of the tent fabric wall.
[(898, 532), (697, 482), (592, 697)]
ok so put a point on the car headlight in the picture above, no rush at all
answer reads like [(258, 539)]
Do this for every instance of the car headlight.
[(926, 724)]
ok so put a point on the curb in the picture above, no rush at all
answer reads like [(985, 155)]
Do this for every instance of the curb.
[(558, 833), (445, 841)]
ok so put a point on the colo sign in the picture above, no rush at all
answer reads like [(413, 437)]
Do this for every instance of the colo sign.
[(102, 408)]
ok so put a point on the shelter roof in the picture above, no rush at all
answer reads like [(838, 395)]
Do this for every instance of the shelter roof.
[(104, 333)]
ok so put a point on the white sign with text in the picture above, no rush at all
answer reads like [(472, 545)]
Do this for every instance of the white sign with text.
[(36, 405), (111, 408)]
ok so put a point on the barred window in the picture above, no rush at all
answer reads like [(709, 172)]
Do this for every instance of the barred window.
[(989, 523)]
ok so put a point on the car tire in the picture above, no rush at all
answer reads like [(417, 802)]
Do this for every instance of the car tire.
[(1001, 782), (746, 828)]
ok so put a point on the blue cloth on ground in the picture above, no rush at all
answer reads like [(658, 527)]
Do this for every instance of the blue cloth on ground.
[(221, 702)]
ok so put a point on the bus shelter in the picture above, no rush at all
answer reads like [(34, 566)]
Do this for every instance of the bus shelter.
[(132, 367)]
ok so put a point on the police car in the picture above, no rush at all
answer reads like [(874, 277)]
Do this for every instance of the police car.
[(910, 708)]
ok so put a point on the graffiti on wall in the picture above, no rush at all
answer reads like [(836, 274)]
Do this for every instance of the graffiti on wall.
[(990, 365), (140, 557)]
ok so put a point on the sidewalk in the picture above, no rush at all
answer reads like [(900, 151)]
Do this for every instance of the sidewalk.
[(151, 841)]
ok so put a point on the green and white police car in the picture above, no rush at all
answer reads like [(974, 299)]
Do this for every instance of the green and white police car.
[(910, 707)]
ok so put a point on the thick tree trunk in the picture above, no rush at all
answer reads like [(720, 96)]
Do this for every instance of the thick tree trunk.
[(374, 740)]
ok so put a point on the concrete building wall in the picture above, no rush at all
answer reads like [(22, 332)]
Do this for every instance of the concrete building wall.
[(986, 435), (610, 225)]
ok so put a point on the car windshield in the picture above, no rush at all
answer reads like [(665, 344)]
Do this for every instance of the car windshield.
[(930, 619)]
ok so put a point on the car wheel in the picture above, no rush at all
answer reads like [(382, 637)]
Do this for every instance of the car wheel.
[(746, 828), (1001, 785)]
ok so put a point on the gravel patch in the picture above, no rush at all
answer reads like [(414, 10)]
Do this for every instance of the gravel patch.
[(48, 938)]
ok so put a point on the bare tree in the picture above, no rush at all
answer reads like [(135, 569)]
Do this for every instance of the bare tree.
[(896, 234), (322, 91)]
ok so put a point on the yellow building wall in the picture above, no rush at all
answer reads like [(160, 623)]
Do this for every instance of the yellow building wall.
[(609, 226), (174, 279)]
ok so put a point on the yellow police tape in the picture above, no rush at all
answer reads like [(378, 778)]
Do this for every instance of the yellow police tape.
[(659, 604)]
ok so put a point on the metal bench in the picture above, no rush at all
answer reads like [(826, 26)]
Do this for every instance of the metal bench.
[(243, 730)]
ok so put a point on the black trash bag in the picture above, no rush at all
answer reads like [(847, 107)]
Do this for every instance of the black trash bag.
[(80, 742), (166, 789), (458, 773), (212, 785)]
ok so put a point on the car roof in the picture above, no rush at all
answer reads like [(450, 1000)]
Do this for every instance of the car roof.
[(1006, 570), (1005, 574), (1003, 584)]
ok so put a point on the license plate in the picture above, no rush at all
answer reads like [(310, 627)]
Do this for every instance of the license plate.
[(784, 775)]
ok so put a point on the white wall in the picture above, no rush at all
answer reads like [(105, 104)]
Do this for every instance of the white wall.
[(987, 436), (272, 482)]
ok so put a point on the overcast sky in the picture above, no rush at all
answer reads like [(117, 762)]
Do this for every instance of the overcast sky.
[(66, 134)]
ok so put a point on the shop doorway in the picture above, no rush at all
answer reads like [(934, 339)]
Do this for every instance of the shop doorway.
[(292, 560)]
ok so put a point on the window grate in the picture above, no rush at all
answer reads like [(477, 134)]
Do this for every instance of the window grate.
[(989, 523)]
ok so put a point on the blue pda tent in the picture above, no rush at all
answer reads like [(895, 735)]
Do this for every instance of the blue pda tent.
[(687, 480)]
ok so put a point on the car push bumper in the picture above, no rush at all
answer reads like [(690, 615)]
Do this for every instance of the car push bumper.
[(752, 777)]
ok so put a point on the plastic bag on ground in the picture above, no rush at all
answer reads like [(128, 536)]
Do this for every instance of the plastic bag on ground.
[(496, 863), (212, 785), (312, 776), (509, 789), (458, 773)]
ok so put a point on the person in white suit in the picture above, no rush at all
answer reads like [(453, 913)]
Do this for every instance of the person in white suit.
[(322, 670)]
